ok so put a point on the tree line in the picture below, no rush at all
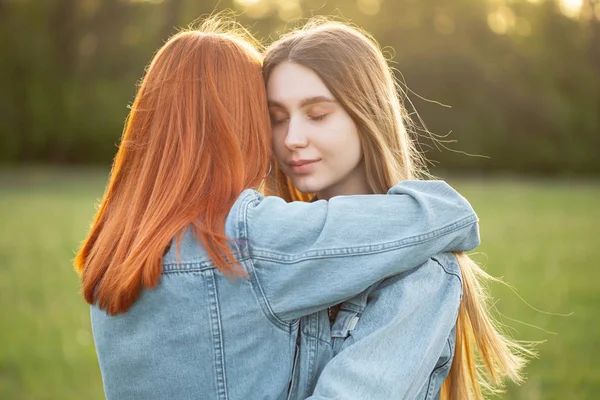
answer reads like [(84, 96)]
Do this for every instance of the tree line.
[(501, 86)]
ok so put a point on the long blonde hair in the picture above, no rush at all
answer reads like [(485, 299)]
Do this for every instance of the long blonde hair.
[(353, 68)]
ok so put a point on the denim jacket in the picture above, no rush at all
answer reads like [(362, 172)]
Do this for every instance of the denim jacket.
[(395, 340), (202, 335)]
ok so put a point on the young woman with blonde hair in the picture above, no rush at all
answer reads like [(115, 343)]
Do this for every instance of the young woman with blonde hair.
[(339, 128), (196, 281)]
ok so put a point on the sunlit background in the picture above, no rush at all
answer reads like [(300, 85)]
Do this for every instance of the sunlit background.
[(510, 89)]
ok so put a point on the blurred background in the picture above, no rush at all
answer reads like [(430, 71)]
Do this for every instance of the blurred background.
[(512, 86)]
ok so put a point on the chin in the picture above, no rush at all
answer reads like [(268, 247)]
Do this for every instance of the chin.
[(307, 187)]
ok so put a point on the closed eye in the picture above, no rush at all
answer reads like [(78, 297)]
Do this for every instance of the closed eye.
[(317, 117), (278, 121), (277, 117)]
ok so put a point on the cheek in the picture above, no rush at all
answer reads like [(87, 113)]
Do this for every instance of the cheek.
[(278, 142), (355, 147), (336, 135), (352, 138), (349, 142)]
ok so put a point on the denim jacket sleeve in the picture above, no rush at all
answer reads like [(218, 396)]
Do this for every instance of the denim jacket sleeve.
[(305, 257), (402, 343)]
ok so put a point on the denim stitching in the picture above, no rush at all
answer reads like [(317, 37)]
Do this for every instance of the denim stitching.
[(191, 266), (446, 271), (307, 332), (347, 306), (266, 255), (437, 371), (269, 313), (313, 350), (265, 306), (217, 336), (293, 385)]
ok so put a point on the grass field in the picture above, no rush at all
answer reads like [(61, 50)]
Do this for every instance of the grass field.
[(541, 236)]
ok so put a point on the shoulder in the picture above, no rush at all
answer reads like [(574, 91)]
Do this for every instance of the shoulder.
[(185, 255), (448, 263)]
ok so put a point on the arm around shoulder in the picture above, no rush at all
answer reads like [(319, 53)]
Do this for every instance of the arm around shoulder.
[(308, 256)]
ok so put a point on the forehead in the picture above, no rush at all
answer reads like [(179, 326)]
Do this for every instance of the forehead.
[(290, 83)]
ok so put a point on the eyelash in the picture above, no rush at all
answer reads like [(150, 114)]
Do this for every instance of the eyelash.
[(318, 117), (277, 121)]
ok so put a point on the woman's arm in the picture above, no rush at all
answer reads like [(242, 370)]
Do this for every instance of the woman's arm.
[(305, 257), (401, 345)]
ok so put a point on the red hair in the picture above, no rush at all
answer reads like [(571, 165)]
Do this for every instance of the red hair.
[(198, 134)]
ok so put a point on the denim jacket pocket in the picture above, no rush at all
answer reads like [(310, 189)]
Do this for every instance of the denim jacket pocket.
[(345, 322)]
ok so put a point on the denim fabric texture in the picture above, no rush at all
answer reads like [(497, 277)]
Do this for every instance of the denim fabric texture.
[(396, 340), (202, 335)]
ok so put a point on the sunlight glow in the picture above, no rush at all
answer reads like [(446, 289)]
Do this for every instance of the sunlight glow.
[(502, 20), (289, 9), (443, 23), (255, 8), (369, 7), (522, 27), (248, 3), (571, 8)]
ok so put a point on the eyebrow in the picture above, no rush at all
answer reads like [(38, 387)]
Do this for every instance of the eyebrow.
[(305, 102)]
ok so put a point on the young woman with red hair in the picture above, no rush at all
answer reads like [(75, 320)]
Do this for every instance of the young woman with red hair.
[(196, 281)]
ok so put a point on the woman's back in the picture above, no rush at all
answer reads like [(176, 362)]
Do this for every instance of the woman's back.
[(188, 337)]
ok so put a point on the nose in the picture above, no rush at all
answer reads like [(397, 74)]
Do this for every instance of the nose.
[(295, 137)]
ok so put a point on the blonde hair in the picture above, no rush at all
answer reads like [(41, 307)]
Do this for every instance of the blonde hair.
[(353, 68)]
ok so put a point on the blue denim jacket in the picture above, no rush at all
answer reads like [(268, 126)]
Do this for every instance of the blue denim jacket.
[(201, 335), (396, 340)]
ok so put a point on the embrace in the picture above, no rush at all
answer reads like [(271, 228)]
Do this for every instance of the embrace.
[(268, 232)]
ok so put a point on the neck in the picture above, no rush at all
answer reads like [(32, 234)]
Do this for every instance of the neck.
[(357, 185)]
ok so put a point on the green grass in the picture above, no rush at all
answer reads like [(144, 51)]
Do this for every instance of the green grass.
[(541, 237)]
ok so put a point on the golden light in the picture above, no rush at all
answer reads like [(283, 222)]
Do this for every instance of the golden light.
[(502, 20), (570, 8), (255, 8), (443, 23), (369, 7), (289, 9), (248, 3), (522, 27)]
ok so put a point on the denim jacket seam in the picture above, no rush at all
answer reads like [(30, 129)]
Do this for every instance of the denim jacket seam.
[(254, 279), (217, 338), (347, 306), (266, 255), (308, 333), (437, 369), (313, 350), (191, 266), (446, 270), (269, 313)]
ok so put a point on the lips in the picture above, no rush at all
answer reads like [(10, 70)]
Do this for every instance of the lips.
[(299, 163), (302, 166)]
